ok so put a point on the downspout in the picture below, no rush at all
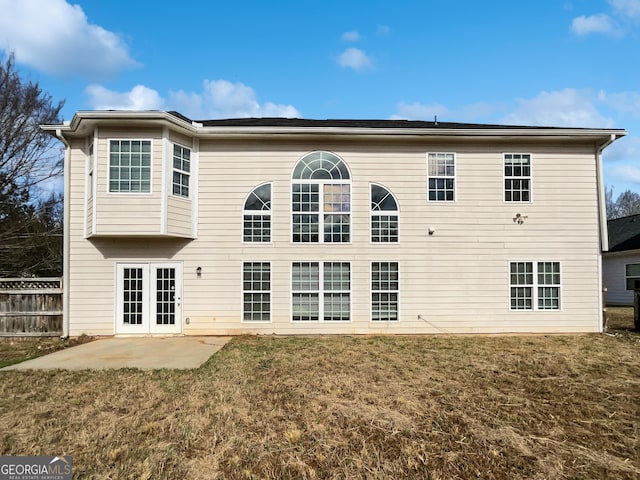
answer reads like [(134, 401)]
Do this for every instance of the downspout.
[(66, 238), (604, 232)]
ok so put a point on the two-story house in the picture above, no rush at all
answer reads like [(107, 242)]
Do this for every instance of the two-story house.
[(291, 226)]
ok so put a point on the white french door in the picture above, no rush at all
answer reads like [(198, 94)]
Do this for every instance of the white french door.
[(149, 298)]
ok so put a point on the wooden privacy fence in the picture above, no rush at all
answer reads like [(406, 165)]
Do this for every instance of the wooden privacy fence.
[(30, 307)]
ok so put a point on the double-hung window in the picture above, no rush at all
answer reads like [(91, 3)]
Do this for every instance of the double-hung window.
[(534, 285), (632, 275), (517, 177), (384, 215), (181, 171), (321, 200), (130, 166), (256, 217), (321, 291), (384, 291), (256, 291), (441, 168)]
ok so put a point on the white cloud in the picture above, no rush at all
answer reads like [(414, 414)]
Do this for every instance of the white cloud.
[(563, 108), (419, 111), (383, 30), (629, 9), (600, 23), (57, 38), (624, 15), (138, 98), (623, 102), (224, 99), (352, 36), (356, 59), (218, 99), (474, 112)]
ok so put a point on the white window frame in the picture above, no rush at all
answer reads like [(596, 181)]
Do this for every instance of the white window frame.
[(151, 153), (383, 213), (321, 292), (506, 177), (322, 185), (261, 213), (628, 277), (180, 171), (372, 292), (262, 292), (535, 286), (444, 177)]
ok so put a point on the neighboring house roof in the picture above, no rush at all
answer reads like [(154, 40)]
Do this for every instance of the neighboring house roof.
[(624, 233)]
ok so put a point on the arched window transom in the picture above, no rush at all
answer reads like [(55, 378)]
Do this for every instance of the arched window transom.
[(321, 199), (257, 215)]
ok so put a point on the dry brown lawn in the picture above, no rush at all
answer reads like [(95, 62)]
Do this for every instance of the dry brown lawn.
[(506, 407)]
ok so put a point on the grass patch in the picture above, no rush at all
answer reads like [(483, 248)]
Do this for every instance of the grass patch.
[(14, 351), (506, 407)]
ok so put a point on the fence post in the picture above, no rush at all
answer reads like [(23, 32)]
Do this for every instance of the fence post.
[(605, 313)]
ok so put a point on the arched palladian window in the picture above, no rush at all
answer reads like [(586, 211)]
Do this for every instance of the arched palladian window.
[(384, 215), (321, 199), (257, 215)]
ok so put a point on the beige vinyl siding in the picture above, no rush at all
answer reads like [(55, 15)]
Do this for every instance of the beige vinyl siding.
[(456, 281), (90, 216), (615, 277), (179, 221)]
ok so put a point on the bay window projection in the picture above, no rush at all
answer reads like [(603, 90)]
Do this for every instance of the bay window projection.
[(321, 200), (256, 216)]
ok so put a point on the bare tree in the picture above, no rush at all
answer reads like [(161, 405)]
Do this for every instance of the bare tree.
[(28, 157), (611, 206), (627, 203)]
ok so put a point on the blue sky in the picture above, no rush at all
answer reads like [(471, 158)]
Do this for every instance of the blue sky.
[(545, 62)]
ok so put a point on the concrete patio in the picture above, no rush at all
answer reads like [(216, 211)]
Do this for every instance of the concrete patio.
[(130, 352)]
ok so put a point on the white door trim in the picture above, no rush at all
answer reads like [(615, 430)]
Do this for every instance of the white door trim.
[(138, 295)]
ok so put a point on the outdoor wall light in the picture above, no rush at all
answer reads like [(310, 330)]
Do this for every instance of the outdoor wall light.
[(199, 272), (519, 218), (431, 231)]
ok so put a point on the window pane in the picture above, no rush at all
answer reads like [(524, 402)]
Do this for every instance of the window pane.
[(336, 306), (305, 307), (337, 276), (381, 199), (633, 270), (517, 189), (384, 291), (256, 284), (129, 167), (441, 170), (337, 228)]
